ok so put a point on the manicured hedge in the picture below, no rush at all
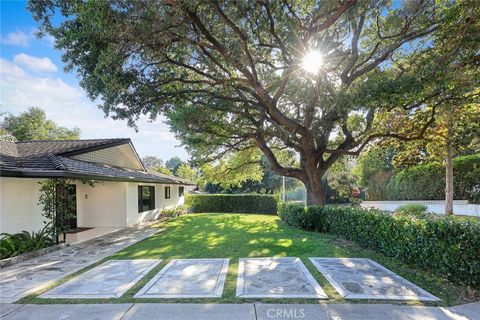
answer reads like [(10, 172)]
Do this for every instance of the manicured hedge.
[(427, 182), (447, 245), (242, 203)]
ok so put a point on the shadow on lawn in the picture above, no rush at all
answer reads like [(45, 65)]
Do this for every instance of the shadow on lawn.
[(231, 236)]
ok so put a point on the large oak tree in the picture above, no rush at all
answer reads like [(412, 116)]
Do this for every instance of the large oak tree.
[(231, 75)]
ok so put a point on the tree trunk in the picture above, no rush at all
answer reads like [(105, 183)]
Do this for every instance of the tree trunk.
[(449, 171), (314, 188), (315, 195)]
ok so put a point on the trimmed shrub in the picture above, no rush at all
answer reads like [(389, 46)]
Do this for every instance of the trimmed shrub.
[(416, 209), (427, 182), (174, 212), (447, 245), (299, 216), (240, 203)]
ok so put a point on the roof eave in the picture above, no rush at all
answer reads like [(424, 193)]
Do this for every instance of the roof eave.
[(72, 175)]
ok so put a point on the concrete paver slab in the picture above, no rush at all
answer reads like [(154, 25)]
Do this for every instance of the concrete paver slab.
[(111, 279), (358, 278), (69, 312), (19, 280), (188, 278), (470, 310), (350, 311), (183, 311), (276, 278), (6, 308)]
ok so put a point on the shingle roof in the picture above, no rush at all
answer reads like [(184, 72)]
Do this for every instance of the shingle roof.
[(43, 147), (50, 159)]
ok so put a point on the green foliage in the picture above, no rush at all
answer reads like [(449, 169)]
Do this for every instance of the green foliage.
[(340, 180), (241, 203), (163, 170), (374, 169), (34, 125), (447, 245), (58, 204), (187, 172), (299, 216), (416, 209), (234, 169), (427, 182), (173, 164), (269, 183), (175, 211), (14, 244)]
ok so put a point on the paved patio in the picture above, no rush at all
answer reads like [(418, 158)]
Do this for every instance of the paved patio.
[(19, 280), (276, 278), (249, 311), (111, 279), (188, 278), (359, 278)]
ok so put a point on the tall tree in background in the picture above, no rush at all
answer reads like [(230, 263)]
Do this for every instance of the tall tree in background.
[(454, 133), (173, 164), (152, 162), (185, 171), (317, 78), (34, 125)]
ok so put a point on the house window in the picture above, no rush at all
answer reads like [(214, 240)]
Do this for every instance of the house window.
[(181, 190), (146, 198), (167, 192)]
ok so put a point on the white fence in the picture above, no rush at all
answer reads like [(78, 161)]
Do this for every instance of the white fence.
[(461, 207)]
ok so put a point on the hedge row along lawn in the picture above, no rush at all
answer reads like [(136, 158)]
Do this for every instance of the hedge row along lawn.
[(244, 203), (251, 235), (448, 245)]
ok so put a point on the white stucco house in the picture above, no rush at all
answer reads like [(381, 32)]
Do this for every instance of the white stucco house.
[(126, 193)]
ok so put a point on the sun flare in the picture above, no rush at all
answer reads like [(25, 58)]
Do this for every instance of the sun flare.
[(312, 62)]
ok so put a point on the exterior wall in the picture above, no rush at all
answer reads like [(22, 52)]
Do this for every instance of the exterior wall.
[(19, 208), (134, 217), (107, 204), (461, 207), (103, 205)]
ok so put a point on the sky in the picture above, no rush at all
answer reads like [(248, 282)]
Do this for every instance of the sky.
[(32, 75)]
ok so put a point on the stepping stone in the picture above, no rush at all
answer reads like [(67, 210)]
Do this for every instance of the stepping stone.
[(276, 278), (111, 279), (358, 278), (188, 278)]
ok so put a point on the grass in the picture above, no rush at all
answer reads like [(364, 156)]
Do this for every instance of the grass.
[(250, 235)]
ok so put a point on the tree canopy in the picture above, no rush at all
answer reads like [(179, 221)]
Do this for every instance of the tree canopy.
[(321, 79), (152, 162), (34, 125)]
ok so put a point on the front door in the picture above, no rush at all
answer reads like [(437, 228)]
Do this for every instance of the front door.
[(67, 201)]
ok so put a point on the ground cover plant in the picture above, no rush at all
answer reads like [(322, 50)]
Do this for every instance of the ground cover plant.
[(12, 245), (251, 235)]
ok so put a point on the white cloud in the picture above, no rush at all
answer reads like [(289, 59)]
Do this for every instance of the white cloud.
[(69, 106), (17, 38), (35, 64)]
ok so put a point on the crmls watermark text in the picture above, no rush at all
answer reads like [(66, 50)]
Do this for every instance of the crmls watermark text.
[(284, 313)]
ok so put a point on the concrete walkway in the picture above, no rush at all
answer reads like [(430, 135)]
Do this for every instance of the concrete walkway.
[(19, 280), (158, 311)]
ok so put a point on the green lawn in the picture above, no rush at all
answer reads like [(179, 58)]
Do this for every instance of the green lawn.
[(249, 235)]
